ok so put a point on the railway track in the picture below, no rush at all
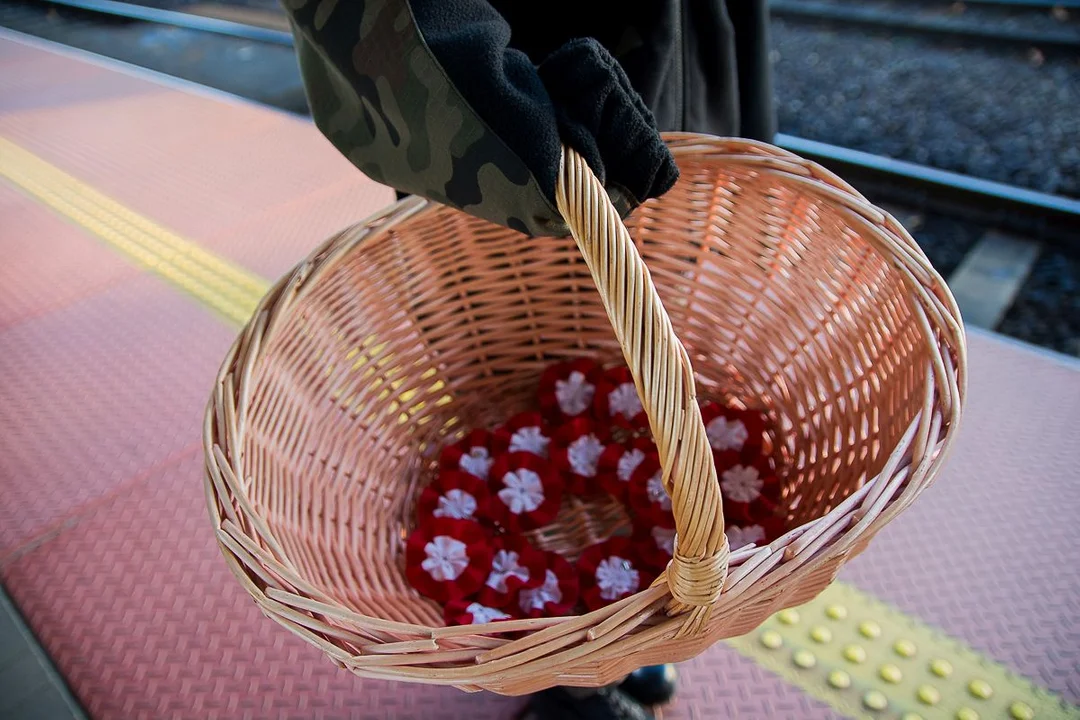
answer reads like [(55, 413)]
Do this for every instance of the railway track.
[(986, 237), (220, 24), (265, 26), (1045, 6), (909, 21), (1028, 4)]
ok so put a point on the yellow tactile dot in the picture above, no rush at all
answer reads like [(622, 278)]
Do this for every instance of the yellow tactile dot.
[(891, 674), (928, 695), (905, 648), (836, 612), (980, 689), (869, 629), (771, 639), (966, 713), (1021, 711), (941, 668), (804, 659), (875, 700), (839, 679), (911, 716), (788, 617), (821, 635), (855, 654)]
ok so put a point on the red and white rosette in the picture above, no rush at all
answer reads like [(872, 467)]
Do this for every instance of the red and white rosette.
[(455, 495), (516, 565), (526, 492), (733, 433), (654, 546), (648, 500), (750, 490), (471, 612), (617, 400), (474, 453), (526, 432), (761, 531), (618, 463), (576, 450), (610, 571), (556, 596), (448, 559), (567, 389)]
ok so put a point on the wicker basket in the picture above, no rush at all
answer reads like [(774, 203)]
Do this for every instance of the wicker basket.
[(787, 289)]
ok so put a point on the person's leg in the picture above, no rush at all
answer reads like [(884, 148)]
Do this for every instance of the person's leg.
[(651, 685), (629, 699), (564, 703)]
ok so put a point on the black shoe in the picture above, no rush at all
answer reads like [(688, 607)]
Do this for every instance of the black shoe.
[(604, 704), (652, 685)]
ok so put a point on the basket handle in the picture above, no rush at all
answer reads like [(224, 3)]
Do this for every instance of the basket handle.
[(665, 382)]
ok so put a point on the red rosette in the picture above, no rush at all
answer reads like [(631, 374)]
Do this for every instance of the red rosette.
[(618, 463), (733, 433), (556, 596), (610, 571), (617, 401), (526, 492), (750, 491), (471, 612), (761, 531), (448, 559), (515, 565), (654, 545), (567, 389), (648, 500), (473, 454), (526, 432), (455, 495), (727, 460), (576, 450)]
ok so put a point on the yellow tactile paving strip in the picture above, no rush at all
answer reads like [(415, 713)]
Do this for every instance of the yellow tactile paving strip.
[(868, 660)]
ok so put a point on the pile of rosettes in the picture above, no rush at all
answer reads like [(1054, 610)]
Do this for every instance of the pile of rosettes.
[(589, 438)]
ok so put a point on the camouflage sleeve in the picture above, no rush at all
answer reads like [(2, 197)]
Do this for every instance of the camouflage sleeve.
[(428, 97)]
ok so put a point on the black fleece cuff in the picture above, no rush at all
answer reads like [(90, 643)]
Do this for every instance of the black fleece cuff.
[(602, 117)]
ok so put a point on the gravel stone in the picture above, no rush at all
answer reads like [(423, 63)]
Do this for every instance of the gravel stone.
[(1047, 310), (977, 111)]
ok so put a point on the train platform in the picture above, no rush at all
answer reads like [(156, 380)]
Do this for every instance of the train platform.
[(141, 219)]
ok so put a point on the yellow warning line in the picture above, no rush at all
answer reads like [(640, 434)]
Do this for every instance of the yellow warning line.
[(862, 657), (225, 287)]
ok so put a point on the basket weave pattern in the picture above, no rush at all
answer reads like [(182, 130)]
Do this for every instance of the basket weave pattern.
[(781, 287)]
